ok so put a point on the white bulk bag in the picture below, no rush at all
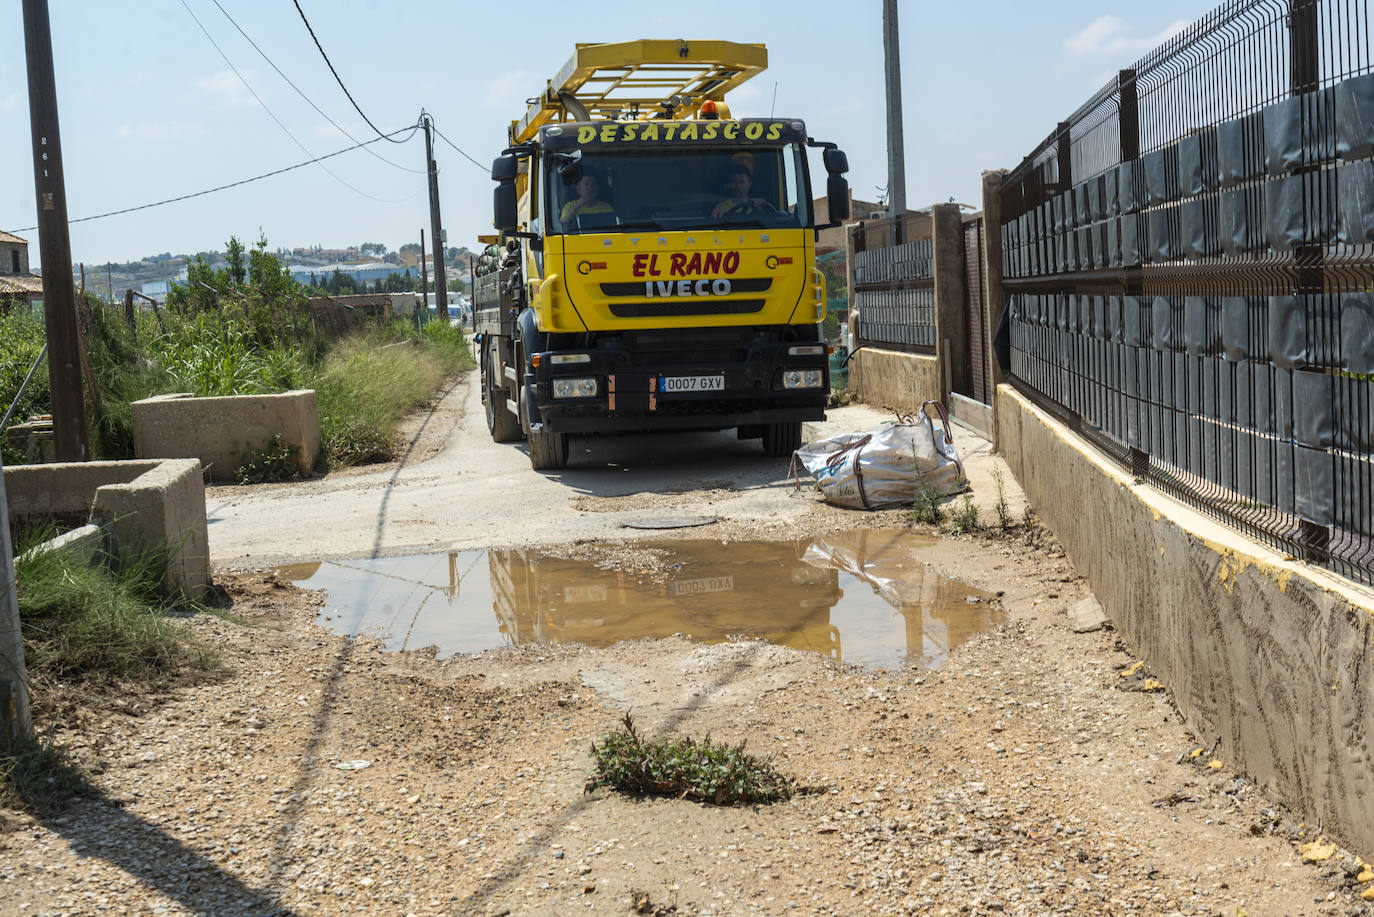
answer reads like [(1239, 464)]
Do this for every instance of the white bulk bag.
[(883, 467)]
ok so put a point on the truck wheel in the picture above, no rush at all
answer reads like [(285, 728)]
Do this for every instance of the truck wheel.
[(548, 450), (504, 428), (781, 439)]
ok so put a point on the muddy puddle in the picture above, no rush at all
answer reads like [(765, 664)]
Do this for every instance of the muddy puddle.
[(866, 598)]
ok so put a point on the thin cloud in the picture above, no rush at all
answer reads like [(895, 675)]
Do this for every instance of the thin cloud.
[(226, 88), (1109, 35), (10, 102)]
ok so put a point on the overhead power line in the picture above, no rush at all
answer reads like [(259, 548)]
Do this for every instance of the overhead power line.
[(336, 73), (186, 197), (455, 146), (307, 98), (273, 115)]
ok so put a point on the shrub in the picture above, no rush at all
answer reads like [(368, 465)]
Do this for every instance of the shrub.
[(685, 768), (275, 461)]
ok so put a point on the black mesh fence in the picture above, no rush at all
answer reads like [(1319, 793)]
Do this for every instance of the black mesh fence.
[(894, 285), (1189, 269)]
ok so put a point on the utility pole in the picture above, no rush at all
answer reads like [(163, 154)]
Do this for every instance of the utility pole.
[(424, 275), (14, 680), (435, 224), (892, 70), (54, 245)]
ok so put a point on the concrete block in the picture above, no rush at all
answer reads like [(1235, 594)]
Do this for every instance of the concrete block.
[(222, 432), (973, 414), (141, 505), (1265, 655), (162, 508), (895, 379), (1086, 616), (86, 541)]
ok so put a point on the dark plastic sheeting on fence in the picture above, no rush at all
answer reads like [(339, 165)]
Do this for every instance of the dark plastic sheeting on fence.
[(1127, 199), (1240, 149), (1355, 117), (1288, 346), (1355, 192), (1162, 322), (1156, 178), (1201, 325), (1357, 332), (1283, 212), (1161, 245)]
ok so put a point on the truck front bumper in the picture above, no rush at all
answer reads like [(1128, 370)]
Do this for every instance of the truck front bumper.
[(634, 393)]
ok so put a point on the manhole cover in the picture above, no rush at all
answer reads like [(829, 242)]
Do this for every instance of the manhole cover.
[(668, 522)]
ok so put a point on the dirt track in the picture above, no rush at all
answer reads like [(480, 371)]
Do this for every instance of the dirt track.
[(1017, 778)]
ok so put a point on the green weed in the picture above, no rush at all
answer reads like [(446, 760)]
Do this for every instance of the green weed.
[(1004, 517), (965, 518), (685, 768), (275, 461), (926, 508), (98, 623)]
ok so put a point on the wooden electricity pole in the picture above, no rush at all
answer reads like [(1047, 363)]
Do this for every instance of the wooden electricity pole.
[(54, 245), (436, 230)]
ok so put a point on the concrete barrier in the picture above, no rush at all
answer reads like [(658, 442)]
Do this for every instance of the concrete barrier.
[(1269, 657), (223, 432), (140, 505), (894, 379)]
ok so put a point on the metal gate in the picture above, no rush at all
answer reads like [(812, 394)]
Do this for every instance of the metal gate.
[(977, 336)]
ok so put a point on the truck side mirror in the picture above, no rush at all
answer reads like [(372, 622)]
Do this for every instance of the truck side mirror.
[(505, 167), (503, 205), (836, 163), (837, 196)]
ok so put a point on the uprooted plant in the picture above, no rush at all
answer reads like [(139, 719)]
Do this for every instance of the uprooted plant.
[(686, 768)]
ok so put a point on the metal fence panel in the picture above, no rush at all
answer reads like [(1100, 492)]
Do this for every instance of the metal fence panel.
[(1189, 266)]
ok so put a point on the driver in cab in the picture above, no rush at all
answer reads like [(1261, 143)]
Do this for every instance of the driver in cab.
[(737, 202), (588, 199)]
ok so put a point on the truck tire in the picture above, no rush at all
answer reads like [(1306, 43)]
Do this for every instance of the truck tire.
[(548, 450), (781, 439), (504, 427)]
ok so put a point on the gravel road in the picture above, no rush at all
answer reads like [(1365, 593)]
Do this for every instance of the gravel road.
[(1022, 776)]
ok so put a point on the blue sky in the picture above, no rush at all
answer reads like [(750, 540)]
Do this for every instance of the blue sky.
[(150, 109)]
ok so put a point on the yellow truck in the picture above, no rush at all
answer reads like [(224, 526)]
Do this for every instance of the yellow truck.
[(656, 265)]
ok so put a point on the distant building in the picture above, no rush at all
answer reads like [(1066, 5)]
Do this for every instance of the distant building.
[(17, 283), (363, 273), (318, 257)]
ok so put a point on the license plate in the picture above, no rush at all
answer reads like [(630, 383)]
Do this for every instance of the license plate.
[(698, 586), (671, 384), (573, 594)]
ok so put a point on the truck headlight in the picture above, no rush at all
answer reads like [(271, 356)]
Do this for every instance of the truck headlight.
[(802, 378), (574, 388)]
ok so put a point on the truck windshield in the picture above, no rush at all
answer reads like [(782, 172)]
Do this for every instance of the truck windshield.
[(674, 189)]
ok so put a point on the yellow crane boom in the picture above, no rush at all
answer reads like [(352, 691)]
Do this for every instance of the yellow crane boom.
[(636, 80)]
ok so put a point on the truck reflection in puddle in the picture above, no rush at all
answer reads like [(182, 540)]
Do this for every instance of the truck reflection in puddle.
[(859, 597)]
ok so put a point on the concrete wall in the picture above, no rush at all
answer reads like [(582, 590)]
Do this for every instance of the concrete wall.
[(64, 490), (164, 507), (142, 505), (221, 432), (893, 379), (1270, 657)]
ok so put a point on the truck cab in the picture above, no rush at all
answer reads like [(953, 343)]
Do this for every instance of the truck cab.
[(657, 272)]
